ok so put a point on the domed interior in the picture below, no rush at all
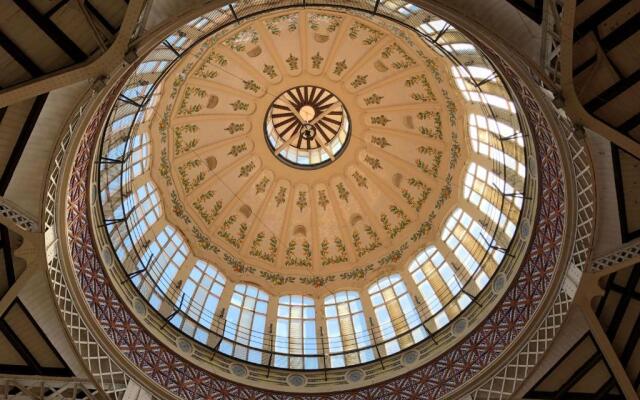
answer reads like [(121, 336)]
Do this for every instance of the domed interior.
[(314, 186)]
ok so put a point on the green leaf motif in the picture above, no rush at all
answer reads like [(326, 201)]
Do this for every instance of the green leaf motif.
[(343, 193), (270, 71), (292, 61), (234, 127), (359, 81), (380, 141), (340, 67), (381, 120), (373, 99), (261, 186), (236, 149), (246, 169), (281, 196)]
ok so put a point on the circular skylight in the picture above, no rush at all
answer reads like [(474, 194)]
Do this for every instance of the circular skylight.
[(307, 126)]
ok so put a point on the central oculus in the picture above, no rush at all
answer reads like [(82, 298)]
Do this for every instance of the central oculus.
[(307, 127)]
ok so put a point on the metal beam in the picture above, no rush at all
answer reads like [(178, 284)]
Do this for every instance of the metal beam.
[(52, 30), (20, 347), (21, 143), (61, 371), (573, 107), (607, 350), (103, 21), (585, 65), (603, 392), (578, 375), (632, 341), (102, 66), (55, 8), (9, 297), (612, 92), (629, 124), (621, 33), (623, 303), (592, 22), (6, 252), (17, 54)]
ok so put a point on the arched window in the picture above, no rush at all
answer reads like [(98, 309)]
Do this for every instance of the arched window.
[(200, 23), (201, 291), (245, 323), (163, 257), (177, 41), (484, 189), (395, 313), (472, 94), (460, 48), (296, 332), (438, 283), (152, 66), (139, 157), (136, 154), (137, 92), (469, 241), (485, 134), (146, 212), (346, 329)]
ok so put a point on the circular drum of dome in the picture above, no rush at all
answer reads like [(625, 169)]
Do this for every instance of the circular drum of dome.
[(286, 268)]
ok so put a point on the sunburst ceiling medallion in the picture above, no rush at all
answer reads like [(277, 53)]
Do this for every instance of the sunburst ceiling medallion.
[(307, 126)]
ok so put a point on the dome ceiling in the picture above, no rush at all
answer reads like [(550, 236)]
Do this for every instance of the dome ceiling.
[(312, 189), (238, 125), (311, 181)]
